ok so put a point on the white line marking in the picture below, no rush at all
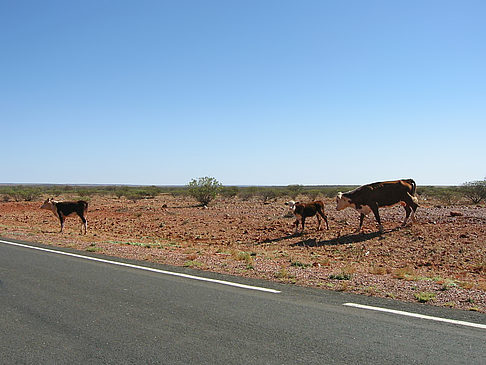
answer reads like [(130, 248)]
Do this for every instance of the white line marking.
[(187, 276), (409, 314)]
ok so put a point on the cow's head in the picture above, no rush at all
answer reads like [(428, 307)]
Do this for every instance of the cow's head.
[(47, 204), (343, 202), (291, 205)]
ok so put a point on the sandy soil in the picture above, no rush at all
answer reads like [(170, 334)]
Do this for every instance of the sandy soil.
[(440, 260)]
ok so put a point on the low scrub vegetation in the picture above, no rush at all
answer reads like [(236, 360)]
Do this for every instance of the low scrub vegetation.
[(206, 189), (424, 297)]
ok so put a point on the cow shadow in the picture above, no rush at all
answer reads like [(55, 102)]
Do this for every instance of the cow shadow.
[(340, 240), (343, 240), (279, 239)]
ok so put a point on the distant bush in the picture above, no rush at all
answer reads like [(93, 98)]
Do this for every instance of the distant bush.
[(204, 189), (447, 195), (20, 193), (177, 192), (333, 192), (474, 191), (295, 190), (312, 194), (267, 194), (135, 192), (247, 193), (229, 191)]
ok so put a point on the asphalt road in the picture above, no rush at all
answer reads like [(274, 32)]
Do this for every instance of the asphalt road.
[(57, 309)]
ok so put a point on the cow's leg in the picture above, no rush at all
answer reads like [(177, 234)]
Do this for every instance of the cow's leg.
[(361, 218), (324, 216), (318, 222), (61, 219), (407, 215), (411, 202), (303, 223), (296, 223), (85, 224), (413, 214), (374, 208)]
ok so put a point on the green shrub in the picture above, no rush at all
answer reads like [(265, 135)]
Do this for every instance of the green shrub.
[(341, 276), (300, 264), (424, 297), (204, 189), (474, 191)]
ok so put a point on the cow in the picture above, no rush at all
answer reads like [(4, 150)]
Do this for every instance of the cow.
[(368, 198), (304, 210), (64, 209)]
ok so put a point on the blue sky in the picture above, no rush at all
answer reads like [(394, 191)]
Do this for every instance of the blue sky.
[(254, 92)]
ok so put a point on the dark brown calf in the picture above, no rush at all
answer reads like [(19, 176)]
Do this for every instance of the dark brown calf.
[(64, 209), (304, 210), (368, 198)]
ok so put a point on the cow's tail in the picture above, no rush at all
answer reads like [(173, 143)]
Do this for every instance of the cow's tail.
[(413, 191), (414, 186)]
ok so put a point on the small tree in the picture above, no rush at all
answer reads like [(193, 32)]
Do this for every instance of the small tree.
[(474, 190), (204, 189)]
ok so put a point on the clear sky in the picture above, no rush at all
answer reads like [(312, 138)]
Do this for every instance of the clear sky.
[(251, 92)]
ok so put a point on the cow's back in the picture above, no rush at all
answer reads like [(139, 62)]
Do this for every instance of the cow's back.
[(69, 207), (383, 193)]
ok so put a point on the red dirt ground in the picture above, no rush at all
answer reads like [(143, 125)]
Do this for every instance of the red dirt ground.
[(443, 253)]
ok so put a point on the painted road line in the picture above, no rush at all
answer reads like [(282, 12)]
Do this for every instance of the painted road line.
[(186, 276), (416, 315)]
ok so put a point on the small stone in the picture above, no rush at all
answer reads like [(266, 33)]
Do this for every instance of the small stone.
[(456, 214)]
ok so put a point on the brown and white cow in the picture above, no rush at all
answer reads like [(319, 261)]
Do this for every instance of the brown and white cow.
[(368, 198), (64, 209), (304, 210)]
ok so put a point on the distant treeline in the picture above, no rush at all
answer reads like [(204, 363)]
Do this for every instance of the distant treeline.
[(473, 192)]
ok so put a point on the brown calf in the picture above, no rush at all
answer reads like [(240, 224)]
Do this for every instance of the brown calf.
[(304, 210), (64, 209)]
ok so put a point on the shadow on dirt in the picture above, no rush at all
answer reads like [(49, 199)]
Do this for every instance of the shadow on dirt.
[(343, 240), (279, 239), (189, 206)]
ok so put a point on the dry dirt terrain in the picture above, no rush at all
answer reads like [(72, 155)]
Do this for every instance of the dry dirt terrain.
[(440, 260)]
